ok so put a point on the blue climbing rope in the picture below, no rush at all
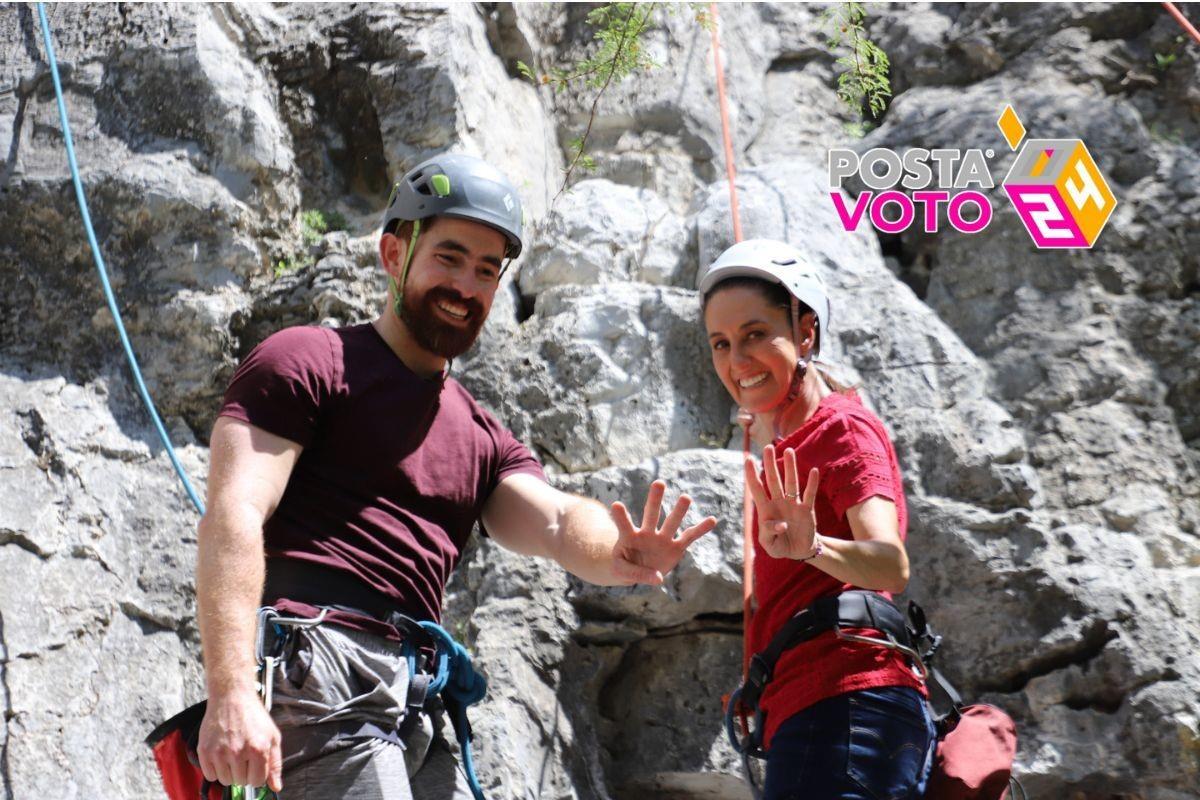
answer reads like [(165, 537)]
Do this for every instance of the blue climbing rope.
[(108, 292), (455, 674), (457, 677)]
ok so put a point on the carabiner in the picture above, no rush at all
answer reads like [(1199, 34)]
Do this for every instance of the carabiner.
[(889, 644)]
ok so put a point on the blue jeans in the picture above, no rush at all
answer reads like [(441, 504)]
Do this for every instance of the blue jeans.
[(874, 744)]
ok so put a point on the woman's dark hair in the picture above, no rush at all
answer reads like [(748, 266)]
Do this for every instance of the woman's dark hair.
[(775, 294), (772, 292)]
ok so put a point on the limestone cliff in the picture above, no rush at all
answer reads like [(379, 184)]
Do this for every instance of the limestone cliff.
[(1043, 404)]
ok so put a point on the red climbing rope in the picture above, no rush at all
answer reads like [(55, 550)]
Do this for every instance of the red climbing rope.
[(1180, 18), (725, 133), (747, 507)]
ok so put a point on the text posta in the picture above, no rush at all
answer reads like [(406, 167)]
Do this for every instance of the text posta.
[(959, 175)]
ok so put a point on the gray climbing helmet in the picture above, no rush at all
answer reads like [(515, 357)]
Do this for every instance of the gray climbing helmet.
[(461, 186)]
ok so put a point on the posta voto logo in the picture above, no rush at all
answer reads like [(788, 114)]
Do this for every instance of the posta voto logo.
[(1054, 185)]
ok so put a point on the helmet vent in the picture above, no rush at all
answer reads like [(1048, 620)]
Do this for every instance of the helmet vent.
[(420, 182)]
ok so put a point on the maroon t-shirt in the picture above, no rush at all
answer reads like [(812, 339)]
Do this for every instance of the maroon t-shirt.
[(395, 468)]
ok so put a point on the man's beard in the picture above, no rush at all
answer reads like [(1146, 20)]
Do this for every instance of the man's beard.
[(445, 339)]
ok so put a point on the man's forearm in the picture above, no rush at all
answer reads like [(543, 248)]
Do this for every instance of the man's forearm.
[(586, 539), (600, 546), (229, 581)]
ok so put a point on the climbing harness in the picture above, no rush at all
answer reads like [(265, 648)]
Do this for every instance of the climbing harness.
[(174, 742), (449, 673), (102, 270), (438, 667), (976, 743), (266, 660), (852, 609)]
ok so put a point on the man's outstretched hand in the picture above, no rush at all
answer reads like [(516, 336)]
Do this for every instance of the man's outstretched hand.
[(646, 554)]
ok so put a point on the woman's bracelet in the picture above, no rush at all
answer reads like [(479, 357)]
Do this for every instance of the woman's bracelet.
[(818, 548)]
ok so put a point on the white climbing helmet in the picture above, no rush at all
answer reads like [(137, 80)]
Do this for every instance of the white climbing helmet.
[(777, 262)]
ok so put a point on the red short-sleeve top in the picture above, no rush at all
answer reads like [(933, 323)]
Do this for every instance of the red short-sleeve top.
[(854, 456)]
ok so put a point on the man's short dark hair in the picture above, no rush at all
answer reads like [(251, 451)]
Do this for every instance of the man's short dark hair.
[(402, 228)]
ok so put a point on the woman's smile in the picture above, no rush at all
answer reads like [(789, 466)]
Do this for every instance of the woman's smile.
[(753, 381)]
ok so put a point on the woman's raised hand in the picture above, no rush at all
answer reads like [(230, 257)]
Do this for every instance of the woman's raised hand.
[(787, 520)]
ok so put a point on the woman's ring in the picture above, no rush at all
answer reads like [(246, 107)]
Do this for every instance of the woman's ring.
[(791, 495)]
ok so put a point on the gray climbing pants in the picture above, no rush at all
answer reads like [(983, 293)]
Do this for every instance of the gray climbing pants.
[(335, 676)]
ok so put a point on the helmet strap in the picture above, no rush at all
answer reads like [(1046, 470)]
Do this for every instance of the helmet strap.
[(795, 305), (793, 392), (797, 375), (398, 289)]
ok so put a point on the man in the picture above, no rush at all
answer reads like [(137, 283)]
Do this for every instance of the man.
[(348, 470)]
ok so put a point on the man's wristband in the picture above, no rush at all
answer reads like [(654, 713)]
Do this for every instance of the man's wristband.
[(818, 548)]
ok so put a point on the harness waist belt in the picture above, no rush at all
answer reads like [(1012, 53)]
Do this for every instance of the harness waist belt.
[(852, 609), (316, 585)]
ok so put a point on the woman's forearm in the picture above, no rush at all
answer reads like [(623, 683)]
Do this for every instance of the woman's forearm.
[(869, 564)]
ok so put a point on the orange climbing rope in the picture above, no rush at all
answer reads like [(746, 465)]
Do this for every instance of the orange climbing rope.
[(747, 508), (725, 133), (1182, 20)]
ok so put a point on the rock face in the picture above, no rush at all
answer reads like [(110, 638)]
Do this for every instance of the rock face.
[(606, 375), (603, 232), (1043, 404), (99, 635)]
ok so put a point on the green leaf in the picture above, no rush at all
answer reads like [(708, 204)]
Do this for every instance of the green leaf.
[(335, 221), (862, 65), (312, 226), (1164, 60)]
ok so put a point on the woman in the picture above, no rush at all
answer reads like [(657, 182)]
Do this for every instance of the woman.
[(843, 719)]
